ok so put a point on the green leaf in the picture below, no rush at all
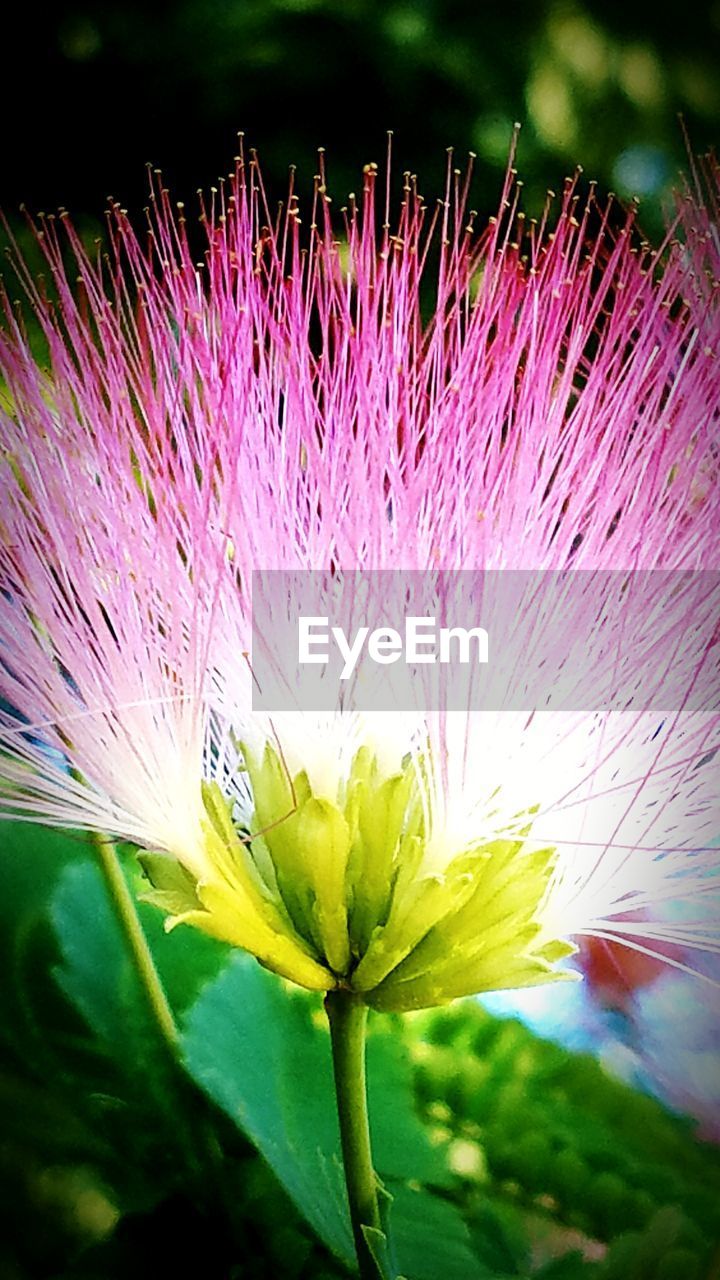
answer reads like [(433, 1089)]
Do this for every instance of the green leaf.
[(150, 1113), (254, 1049), (32, 859), (96, 972), (429, 1237), (401, 1143), (264, 1057)]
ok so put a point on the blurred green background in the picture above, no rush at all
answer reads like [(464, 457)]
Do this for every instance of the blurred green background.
[(97, 89)]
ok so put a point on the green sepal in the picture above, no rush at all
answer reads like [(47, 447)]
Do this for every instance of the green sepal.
[(378, 1239), (419, 903), (171, 887), (380, 815), (504, 888), (278, 801), (227, 915), (231, 861), (558, 949), (506, 973), (377, 1244), (323, 844)]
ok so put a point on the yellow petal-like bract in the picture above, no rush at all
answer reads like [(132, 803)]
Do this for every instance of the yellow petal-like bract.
[(344, 893)]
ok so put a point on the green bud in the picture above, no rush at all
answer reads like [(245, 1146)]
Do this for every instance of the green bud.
[(345, 890)]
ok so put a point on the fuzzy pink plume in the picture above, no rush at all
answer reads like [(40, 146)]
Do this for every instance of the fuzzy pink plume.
[(385, 387)]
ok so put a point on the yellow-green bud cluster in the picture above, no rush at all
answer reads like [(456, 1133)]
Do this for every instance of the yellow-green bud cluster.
[(342, 893)]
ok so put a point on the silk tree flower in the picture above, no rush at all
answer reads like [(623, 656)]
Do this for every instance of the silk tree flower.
[(375, 390)]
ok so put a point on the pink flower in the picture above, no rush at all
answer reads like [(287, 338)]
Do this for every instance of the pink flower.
[(372, 391)]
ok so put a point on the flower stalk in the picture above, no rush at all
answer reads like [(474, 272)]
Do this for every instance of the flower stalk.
[(196, 1136), (347, 1015), (141, 955)]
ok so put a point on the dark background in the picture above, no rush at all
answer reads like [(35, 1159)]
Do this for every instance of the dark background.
[(92, 91)]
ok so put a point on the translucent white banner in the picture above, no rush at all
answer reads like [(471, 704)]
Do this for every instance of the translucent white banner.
[(575, 640)]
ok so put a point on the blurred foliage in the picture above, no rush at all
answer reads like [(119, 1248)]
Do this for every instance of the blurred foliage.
[(505, 1155), (98, 88)]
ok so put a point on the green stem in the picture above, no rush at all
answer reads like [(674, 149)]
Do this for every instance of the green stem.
[(127, 914), (347, 1015), (196, 1133)]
